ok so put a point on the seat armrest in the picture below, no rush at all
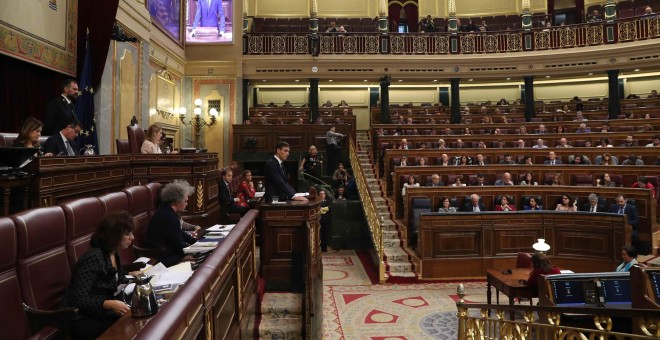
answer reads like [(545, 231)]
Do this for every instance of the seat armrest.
[(58, 318)]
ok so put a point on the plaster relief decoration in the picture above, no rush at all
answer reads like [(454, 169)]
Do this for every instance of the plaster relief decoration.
[(49, 41)]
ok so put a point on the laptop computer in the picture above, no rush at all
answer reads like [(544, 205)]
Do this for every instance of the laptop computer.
[(14, 159)]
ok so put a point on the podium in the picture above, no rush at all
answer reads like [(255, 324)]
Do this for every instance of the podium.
[(290, 251)]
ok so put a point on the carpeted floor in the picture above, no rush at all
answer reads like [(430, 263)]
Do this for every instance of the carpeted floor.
[(354, 308)]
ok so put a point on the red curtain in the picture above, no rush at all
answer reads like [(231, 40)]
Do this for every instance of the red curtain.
[(99, 17), (412, 16)]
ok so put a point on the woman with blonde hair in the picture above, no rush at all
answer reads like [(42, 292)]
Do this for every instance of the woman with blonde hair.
[(153, 140)]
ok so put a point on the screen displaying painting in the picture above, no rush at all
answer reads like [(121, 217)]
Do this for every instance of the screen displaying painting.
[(166, 14), (209, 21)]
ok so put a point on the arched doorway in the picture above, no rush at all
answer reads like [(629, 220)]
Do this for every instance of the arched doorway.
[(404, 16)]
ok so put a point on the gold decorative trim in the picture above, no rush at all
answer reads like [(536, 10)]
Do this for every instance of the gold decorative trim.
[(200, 195)]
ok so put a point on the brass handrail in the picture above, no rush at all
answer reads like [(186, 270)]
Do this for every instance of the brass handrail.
[(546, 322), (370, 211)]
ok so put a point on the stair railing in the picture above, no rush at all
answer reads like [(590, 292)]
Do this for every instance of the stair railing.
[(370, 211)]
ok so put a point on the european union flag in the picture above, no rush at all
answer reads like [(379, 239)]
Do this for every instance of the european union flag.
[(85, 104)]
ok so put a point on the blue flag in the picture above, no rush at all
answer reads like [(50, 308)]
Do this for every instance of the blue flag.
[(85, 105)]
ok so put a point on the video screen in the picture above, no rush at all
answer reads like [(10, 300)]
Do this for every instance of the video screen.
[(568, 293), (655, 283), (616, 291), (209, 21)]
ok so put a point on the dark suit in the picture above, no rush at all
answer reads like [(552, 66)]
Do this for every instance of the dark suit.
[(467, 207), (55, 145), (212, 15), (227, 200), (276, 184), (93, 281), (599, 208), (630, 211), (165, 231), (557, 161), (58, 114)]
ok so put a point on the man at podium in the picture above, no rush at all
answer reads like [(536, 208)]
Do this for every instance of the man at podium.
[(277, 188)]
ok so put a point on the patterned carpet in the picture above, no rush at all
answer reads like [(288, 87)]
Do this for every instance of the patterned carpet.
[(356, 309)]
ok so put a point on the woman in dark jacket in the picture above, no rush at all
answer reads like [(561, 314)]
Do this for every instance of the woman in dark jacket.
[(95, 284), (165, 226)]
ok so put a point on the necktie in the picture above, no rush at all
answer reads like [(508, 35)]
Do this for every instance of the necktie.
[(552, 163), (593, 209), (69, 150), (620, 210), (282, 167)]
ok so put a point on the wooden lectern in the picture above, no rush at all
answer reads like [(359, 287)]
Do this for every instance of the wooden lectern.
[(291, 233)]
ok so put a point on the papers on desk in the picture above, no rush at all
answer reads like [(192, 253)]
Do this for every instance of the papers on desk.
[(301, 194), (566, 271), (200, 247), (174, 275), (259, 194), (221, 228)]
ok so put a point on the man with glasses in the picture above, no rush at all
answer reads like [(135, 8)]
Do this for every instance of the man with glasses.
[(64, 143), (593, 205)]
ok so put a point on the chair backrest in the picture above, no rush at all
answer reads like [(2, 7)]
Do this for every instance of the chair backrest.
[(43, 267), (82, 218), (154, 197), (136, 137), (117, 201), (138, 207), (122, 146), (419, 205), (13, 322), (7, 139), (582, 180), (524, 260)]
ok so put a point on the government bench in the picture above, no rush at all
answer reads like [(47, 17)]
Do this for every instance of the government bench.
[(40, 247)]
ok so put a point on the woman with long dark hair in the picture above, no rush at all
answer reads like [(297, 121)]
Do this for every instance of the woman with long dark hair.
[(97, 277)]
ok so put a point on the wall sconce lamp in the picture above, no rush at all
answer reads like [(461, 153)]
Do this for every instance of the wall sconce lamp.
[(197, 122)]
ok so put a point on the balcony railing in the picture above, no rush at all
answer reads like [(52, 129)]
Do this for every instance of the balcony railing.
[(582, 35)]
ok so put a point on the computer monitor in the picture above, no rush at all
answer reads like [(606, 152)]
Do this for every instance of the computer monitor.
[(655, 284), (568, 292), (614, 292), (15, 158)]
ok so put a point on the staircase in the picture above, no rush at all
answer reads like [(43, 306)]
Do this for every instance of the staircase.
[(281, 316), (398, 262)]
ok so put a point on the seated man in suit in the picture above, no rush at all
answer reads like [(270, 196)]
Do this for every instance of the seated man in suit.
[(481, 181), (479, 160), (227, 197), (276, 184), (63, 143), (508, 159), (435, 181), (474, 205), (552, 159), (593, 205), (623, 208), (506, 180)]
